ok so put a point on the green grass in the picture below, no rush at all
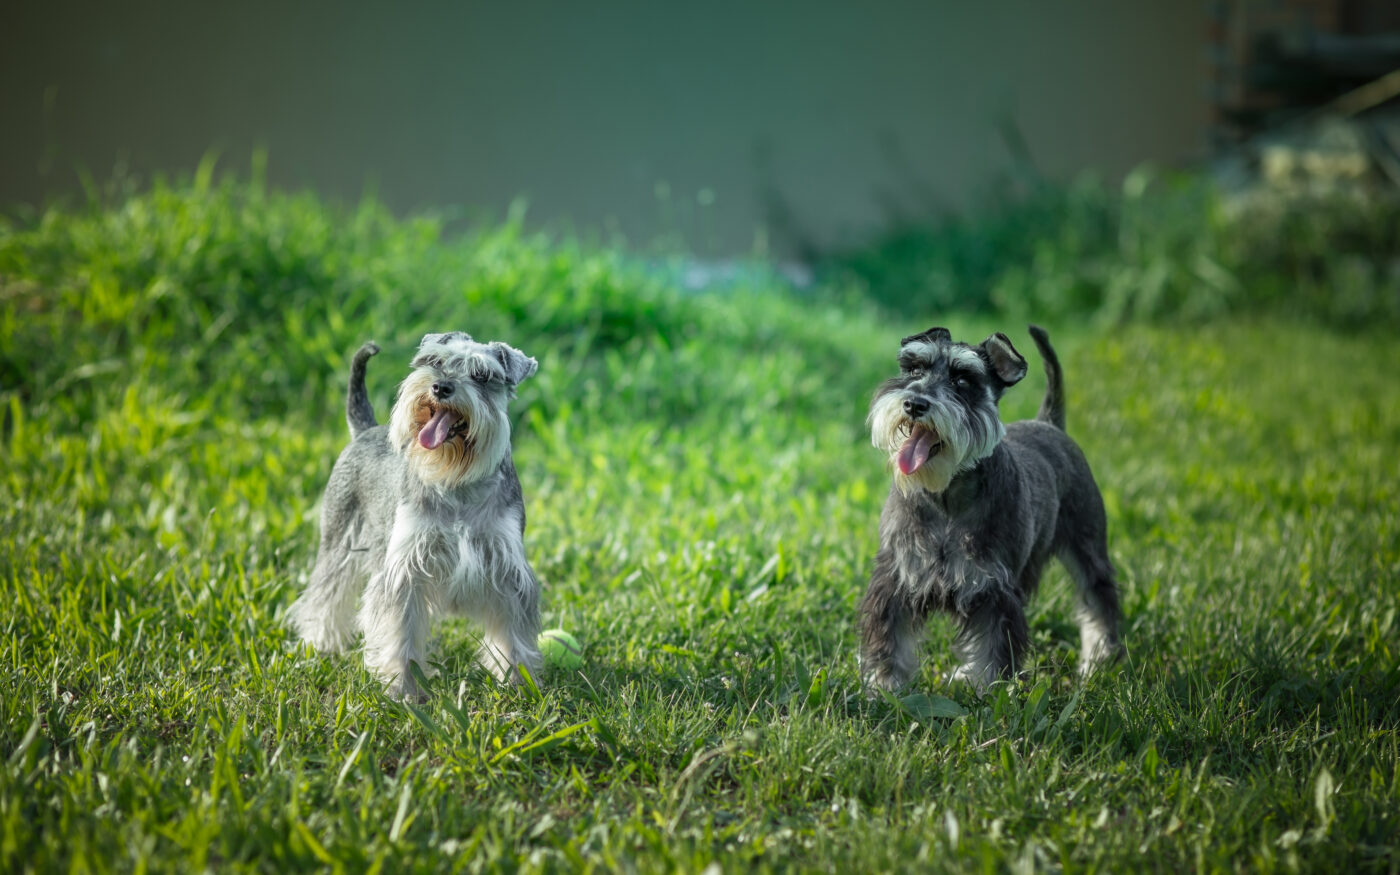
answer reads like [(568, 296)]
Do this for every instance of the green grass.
[(702, 502)]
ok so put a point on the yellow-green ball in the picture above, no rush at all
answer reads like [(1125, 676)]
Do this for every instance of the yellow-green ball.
[(560, 649)]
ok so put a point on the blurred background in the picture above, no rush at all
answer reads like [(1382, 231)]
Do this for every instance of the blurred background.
[(738, 128)]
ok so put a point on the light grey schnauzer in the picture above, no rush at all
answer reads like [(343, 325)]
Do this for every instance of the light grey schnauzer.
[(976, 510), (426, 516)]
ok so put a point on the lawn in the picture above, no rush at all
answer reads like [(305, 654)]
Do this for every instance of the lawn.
[(702, 502)]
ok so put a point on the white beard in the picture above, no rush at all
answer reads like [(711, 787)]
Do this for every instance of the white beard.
[(958, 451)]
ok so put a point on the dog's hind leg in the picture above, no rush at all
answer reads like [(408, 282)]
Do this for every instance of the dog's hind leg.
[(1097, 610), (324, 615)]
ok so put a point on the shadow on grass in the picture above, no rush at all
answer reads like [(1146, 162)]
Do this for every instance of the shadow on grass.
[(1252, 714)]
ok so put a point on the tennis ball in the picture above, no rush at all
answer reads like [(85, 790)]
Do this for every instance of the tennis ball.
[(561, 649)]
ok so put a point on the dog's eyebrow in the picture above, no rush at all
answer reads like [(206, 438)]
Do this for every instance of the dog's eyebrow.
[(496, 370), (919, 349), (966, 359), (909, 362)]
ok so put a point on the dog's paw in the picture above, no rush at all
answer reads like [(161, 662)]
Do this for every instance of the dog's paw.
[(880, 681), (410, 684), (405, 689), (1103, 655), (969, 676), (326, 642)]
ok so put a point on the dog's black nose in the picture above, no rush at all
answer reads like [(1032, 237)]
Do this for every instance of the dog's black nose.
[(442, 390), (916, 406)]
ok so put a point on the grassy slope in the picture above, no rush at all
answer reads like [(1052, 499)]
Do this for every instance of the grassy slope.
[(702, 506)]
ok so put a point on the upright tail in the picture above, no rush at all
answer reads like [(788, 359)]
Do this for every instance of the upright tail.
[(358, 412), (1052, 407)]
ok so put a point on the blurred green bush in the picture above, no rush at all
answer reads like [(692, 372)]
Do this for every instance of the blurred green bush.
[(251, 300), (1160, 246)]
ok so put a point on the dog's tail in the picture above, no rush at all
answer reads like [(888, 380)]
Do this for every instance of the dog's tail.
[(358, 412), (1052, 407)]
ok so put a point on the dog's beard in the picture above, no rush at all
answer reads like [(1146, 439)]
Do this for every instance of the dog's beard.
[(928, 452), (447, 444)]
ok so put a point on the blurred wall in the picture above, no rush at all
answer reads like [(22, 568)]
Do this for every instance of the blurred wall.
[(729, 123)]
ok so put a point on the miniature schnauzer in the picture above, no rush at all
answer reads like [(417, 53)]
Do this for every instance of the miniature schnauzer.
[(976, 510), (426, 516)]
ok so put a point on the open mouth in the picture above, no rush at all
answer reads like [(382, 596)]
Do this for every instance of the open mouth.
[(442, 426), (921, 443)]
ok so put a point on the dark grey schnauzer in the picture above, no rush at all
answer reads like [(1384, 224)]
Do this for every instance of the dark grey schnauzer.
[(426, 516), (976, 510)]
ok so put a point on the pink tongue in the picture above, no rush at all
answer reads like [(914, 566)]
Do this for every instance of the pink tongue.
[(915, 451), (435, 430)]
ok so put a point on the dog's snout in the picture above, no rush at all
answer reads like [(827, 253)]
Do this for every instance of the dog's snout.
[(442, 389), (916, 406)]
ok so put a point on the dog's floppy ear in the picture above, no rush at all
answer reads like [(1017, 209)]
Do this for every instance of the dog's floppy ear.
[(933, 335), (516, 364), (1007, 363)]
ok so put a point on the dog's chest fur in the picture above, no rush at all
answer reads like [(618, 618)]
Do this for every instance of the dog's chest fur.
[(463, 542), (982, 533)]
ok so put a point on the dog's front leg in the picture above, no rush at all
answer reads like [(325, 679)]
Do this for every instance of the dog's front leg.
[(992, 637), (511, 626), (890, 629), (395, 618)]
